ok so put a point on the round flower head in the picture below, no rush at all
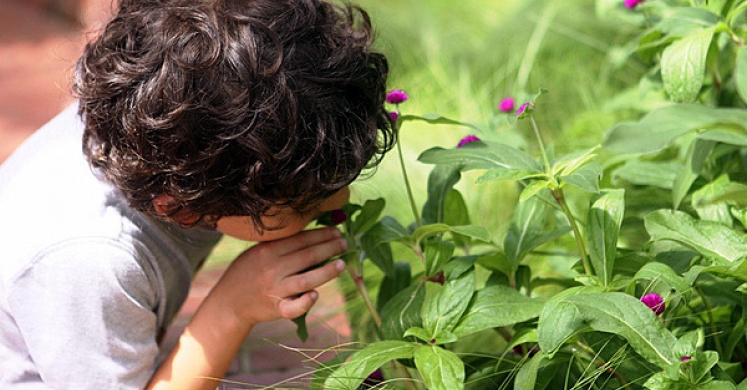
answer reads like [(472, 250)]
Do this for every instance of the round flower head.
[(393, 116), (396, 96), (338, 216), (632, 3), (466, 140), (507, 104), (654, 302)]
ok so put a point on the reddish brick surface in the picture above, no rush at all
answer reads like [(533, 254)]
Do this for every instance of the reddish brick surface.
[(39, 43)]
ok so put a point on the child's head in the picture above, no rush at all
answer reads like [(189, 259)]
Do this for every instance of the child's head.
[(233, 107)]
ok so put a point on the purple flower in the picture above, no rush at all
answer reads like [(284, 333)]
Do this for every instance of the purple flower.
[(396, 96), (507, 105), (654, 302), (685, 358), (466, 140), (524, 107), (632, 3), (373, 380), (393, 116), (338, 216)]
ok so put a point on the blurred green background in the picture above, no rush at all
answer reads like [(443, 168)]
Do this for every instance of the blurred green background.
[(461, 59)]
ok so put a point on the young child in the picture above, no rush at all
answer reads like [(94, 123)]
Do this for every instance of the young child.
[(195, 118)]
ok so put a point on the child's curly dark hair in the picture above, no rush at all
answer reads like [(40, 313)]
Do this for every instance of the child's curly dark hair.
[(233, 107)]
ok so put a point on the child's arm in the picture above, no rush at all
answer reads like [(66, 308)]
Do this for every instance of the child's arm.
[(264, 283)]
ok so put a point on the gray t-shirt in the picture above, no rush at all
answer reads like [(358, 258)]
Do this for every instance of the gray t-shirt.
[(86, 283)]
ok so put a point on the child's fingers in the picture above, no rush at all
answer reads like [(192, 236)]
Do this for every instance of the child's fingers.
[(296, 307), (312, 256), (305, 239), (312, 279)]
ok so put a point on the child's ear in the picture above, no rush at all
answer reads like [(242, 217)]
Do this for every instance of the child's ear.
[(167, 207), (163, 204)]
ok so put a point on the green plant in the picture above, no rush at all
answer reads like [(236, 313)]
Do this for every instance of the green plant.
[(658, 211)]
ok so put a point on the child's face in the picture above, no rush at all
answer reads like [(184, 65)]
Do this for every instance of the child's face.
[(243, 228)]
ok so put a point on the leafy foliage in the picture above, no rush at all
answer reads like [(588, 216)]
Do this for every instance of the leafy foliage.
[(657, 207)]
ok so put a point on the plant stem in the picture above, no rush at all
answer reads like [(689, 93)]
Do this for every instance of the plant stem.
[(413, 206), (557, 193), (711, 325), (361, 286), (543, 151)]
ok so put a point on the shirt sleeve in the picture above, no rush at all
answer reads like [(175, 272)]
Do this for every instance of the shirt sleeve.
[(86, 312)]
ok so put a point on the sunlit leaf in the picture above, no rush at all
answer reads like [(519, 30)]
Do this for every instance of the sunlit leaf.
[(711, 239), (697, 154), (683, 65), (496, 306), (351, 374), (441, 369), (611, 312), (661, 126), (443, 309), (605, 218), (508, 162)]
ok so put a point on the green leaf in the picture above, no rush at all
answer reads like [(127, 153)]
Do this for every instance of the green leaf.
[(558, 322), (443, 309), (680, 21), (610, 312), (402, 312), (533, 224), (350, 375), (568, 164), (741, 73), (369, 215), (713, 211), (586, 177), (441, 369), (605, 218), (301, 330), (496, 306), (655, 271), (437, 253), (534, 187), (697, 154), (683, 65), (504, 161), (436, 119), (457, 214), (440, 181), (472, 231), (727, 136), (711, 239), (526, 378), (378, 251), (389, 229), (661, 126), (392, 285), (649, 173), (722, 190)]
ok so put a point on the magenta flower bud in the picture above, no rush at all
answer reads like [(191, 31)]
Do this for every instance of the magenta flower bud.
[(396, 96), (393, 116), (467, 140), (654, 302), (507, 105), (632, 3), (685, 358), (338, 216), (524, 108)]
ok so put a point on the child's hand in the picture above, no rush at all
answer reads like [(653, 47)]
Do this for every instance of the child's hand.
[(276, 279)]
